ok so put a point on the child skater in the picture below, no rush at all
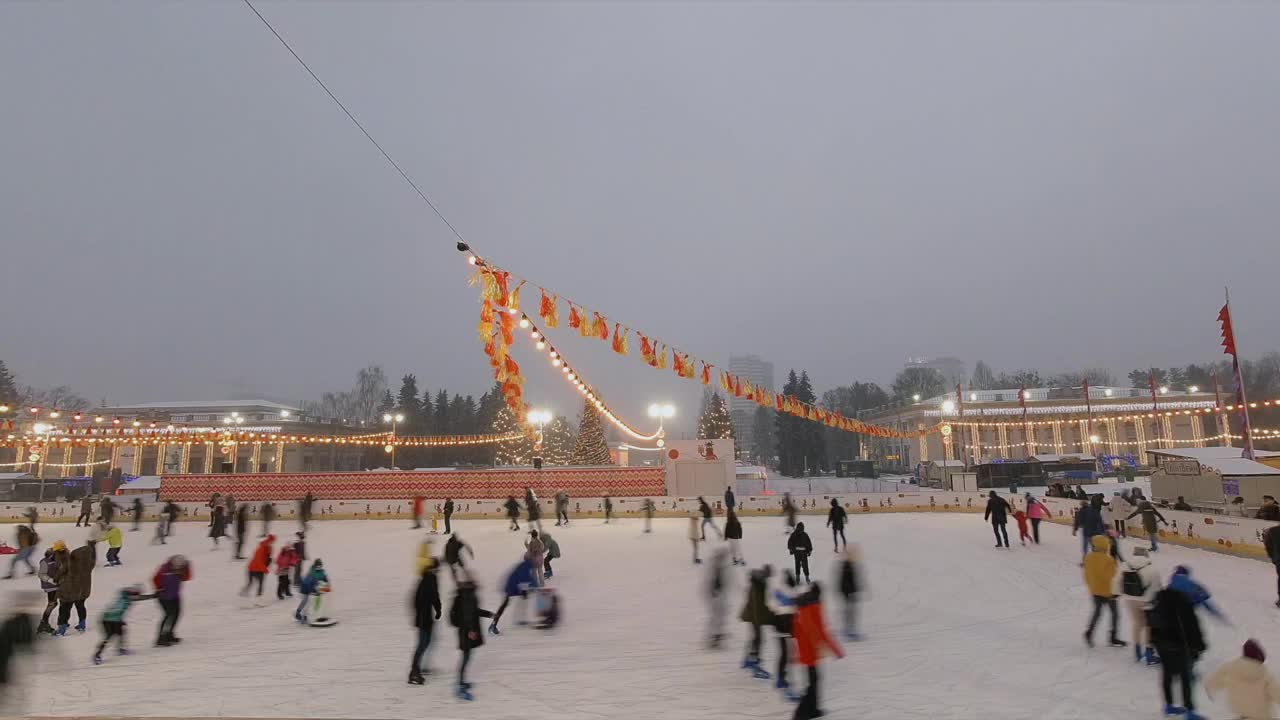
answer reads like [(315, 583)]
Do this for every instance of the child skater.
[(465, 614), (1020, 516), (850, 586), (115, 541), (1251, 691), (756, 613), (113, 619), (310, 586), (285, 562)]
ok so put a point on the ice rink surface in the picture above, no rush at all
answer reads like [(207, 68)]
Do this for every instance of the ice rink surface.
[(952, 627)]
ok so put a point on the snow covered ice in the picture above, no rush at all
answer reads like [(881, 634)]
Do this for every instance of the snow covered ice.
[(952, 627)]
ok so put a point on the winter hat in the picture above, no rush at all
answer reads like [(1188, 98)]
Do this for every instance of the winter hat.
[(800, 526), (1254, 651), (59, 546), (1182, 570), (1141, 552), (271, 538)]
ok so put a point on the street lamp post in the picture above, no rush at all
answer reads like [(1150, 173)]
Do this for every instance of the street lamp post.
[(538, 418), (391, 446), (662, 411)]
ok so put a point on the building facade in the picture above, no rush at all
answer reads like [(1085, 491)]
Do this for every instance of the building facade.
[(760, 373)]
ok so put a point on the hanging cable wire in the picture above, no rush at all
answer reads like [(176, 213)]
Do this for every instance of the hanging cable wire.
[(335, 99)]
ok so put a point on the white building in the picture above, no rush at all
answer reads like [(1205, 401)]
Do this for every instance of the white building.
[(760, 373)]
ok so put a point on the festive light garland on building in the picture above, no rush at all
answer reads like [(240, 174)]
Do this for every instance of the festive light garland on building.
[(77, 440), (500, 305)]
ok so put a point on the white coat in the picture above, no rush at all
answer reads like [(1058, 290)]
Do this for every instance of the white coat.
[(695, 528), (1150, 579), (1249, 687)]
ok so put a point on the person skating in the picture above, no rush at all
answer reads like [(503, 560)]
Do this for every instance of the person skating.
[(608, 509), (453, 555), (17, 636), (836, 518), (717, 591), (48, 573), (850, 578), (426, 610), (705, 509), (33, 515), (1175, 631), (138, 511), (75, 585), (1020, 517), (997, 513), (285, 562), (1100, 577), (162, 530), (215, 501), (448, 516), (232, 508), (217, 525), (464, 614), (107, 510), (552, 552), (242, 528), (733, 533), (800, 547), (730, 500), (649, 509), (756, 613), (259, 565), (784, 609), (115, 543), (1271, 541), (1197, 594), (268, 514), (535, 551), (1150, 515), (1250, 689), (789, 510), (513, 512), (98, 532), (27, 539), (417, 512), (1088, 522), (519, 581), (300, 547), (812, 640), (1036, 512), (113, 623), (305, 506), (1139, 583), (86, 511), (695, 536), (173, 511), (533, 507), (313, 583), (562, 507)]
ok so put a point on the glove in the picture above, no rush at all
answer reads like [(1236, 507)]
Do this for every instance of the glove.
[(437, 614)]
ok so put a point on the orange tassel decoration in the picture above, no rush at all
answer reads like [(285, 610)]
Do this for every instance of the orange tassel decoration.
[(662, 358), (677, 364), (619, 339), (575, 319), (706, 374), (485, 328), (777, 403), (513, 301), (688, 367), (737, 387), (548, 310), (599, 326), (587, 327), (507, 324)]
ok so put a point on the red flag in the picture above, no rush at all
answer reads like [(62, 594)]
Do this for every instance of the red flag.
[(1229, 348), (1228, 334)]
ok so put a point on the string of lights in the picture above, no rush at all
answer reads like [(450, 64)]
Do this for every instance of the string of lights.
[(178, 438)]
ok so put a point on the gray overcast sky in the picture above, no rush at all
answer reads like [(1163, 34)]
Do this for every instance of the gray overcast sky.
[(185, 214)]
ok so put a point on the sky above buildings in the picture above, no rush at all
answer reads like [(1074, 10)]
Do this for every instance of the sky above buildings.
[(186, 215)]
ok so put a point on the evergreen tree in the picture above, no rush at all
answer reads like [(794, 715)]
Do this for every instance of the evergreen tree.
[(8, 387), (407, 405), (590, 447), (426, 414), (517, 451), (786, 435), (557, 442), (849, 400), (491, 403), (387, 405), (763, 434), (715, 422), (443, 427), (983, 377), (811, 432)]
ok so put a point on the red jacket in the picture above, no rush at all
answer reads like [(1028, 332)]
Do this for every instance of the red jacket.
[(262, 556), (810, 632), (417, 505), (286, 560), (1021, 517)]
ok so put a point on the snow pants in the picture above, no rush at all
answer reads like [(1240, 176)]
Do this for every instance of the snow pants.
[(172, 611), (802, 565)]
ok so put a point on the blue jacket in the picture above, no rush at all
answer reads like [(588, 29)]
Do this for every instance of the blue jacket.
[(313, 579), (521, 575), (1089, 521), (115, 612), (1195, 592)]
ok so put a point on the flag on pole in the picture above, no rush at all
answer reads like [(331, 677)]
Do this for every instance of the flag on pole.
[(1088, 409), (1229, 348), (1026, 435)]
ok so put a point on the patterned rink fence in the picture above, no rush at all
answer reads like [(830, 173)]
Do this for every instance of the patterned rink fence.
[(1230, 535)]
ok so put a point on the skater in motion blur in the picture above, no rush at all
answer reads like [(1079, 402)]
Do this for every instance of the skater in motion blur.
[(426, 610), (546, 609), (27, 541), (75, 584), (562, 507), (534, 551), (812, 641), (1150, 515), (784, 609), (789, 510), (285, 562), (756, 613), (608, 509), (48, 573), (717, 587), (107, 510), (1139, 583), (453, 555), (1100, 577), (519, 580), (800, 547), (552, 552), (705, 509), (217, 525), (835, 520), (465, 614), (259, 564), (268, 514), (513, 512), (113, 620), (300, 547), (305, 506), (1089, 523), (86, 511), (17, 636), (171, 510), (1020, 517), (1175, 631), (650, 508), (997, 513), (168, 583), (733, 533), (850, 586), (417, 511), (138, 511), (1251, 691), (533, 508), (242, 527), (316, 580), (695, 537), (730, 500)]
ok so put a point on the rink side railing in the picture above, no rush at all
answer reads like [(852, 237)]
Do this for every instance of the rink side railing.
[(1236, 536)]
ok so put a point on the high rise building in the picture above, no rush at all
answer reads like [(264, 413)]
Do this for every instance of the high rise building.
[(760, 373), (951, 368)]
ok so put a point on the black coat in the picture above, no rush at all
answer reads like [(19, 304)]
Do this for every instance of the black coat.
[(426, 601), (1269, 512), (836, 517), (729, 499), (513, 508), (848, 578), (799, 542), (453, 550), (219, 525), (704, 508), (1174, 625), (242, 520), (733, 528), (465, 614), (997, 511), (16, 634), (448, 508), (1271, 541)]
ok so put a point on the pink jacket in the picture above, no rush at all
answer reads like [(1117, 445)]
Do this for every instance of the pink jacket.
[(1037, 511), (286, 561)]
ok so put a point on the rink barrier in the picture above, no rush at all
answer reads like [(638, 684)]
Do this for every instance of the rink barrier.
[(1230, 535)]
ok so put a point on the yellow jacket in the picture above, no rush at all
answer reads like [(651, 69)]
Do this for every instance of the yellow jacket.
[(1100, 567), (115, 538)]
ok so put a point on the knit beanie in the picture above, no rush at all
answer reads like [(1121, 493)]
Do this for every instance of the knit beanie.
[(1253, 651)]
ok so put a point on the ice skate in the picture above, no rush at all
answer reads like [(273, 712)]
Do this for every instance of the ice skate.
[(1088, 640), (80, 628), (493, 629), (1152, 658), (416, 678), (1174, 711), (97, 659), (61, 631), (463, 692), (124, 651), (1118, 643)]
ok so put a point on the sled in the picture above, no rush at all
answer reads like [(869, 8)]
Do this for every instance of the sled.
[(318, 620)]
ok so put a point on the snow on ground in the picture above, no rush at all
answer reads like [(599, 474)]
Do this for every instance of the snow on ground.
[(953, 629)]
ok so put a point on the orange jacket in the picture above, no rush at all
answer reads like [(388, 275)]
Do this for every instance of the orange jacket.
[(262, 556), (810, 632)]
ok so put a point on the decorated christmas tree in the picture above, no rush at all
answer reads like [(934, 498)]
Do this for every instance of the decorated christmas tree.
[(590, 448), (517, 451), (557, 442), (715, 422)]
